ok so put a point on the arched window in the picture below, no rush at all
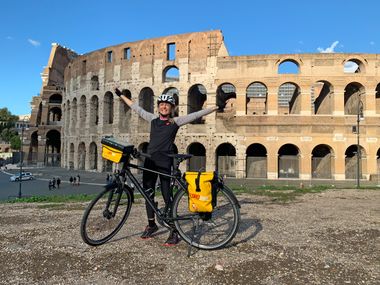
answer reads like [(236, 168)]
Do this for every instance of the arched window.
[(288, 161), (354, 93), (170, 74), (289, 101), (226, 159), (321, 162), (108, 108), (256, 99), (288, 66), (198, 161), (322, 98), (256, 161), (353, 66), (351, 162), (196, 98)]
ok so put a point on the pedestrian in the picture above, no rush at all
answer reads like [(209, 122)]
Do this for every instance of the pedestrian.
[(50, 185), (53, 181), (74, 181), (163, 130), (58, 182), (78, 179)]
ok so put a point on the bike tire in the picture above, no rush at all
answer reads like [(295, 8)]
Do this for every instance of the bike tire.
[(207, 231), (102, 220)]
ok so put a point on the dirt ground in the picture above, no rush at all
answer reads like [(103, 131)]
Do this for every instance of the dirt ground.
[(327, 238)]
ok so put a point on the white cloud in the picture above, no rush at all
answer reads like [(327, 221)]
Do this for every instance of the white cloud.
[(372, 43), (34, 42), (329, 49)]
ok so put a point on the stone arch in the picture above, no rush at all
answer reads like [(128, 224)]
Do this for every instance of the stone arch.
[(256, 99), (54, 115), (33, 148), (288, 161), (108, 108), (256, 161), (377, 98), (39, 114), (93, 159), (94, 83), (198, 161), (125, 112), (288, 66), (353, 65), (170, 74), (353, 94), (143, 147), (196, 97), (55, 99), (351, 162), (94, 111), (53, 148), (146, 101), (226, 159), (175, 93), (321, 162), (289, 101), (73, 116), (322, 98), (67, 115), (71, 156), (82, 156), (226, 88), (82, 113)]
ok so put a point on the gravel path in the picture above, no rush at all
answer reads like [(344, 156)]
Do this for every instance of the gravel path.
[(327, 238)]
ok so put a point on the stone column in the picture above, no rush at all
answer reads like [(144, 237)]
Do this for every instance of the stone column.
[(338, 102), (370, 102), (305, 101), (272, 165), (305, 166), (272, 101), (240, 170), (339, 164), (240, 103)]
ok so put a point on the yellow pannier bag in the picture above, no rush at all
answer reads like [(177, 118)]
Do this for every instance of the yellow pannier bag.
[(202, 191), (114, 150)]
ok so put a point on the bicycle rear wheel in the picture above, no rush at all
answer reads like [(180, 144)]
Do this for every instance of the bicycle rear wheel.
[(207, 230), (105, 215)]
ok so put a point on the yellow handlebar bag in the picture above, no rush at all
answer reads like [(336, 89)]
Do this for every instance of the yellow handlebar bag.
[(202, 188)]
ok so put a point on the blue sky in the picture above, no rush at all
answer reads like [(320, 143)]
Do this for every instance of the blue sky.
[(28, 27)]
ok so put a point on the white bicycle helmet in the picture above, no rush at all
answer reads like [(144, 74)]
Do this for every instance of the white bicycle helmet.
[(166, 98)]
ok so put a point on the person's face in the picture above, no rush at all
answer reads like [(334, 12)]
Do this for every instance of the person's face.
[(164, 109)]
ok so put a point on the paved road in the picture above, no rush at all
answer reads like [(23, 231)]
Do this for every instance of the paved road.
[(90, 183)]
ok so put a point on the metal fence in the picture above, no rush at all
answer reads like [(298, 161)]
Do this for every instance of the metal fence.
[(256, 167), (288, 166), (321, 167), (226, 165)]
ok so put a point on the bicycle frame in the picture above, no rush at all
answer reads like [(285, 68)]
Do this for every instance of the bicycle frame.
[(176, 178)]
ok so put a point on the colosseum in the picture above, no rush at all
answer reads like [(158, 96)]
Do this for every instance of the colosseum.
[(300, 116)]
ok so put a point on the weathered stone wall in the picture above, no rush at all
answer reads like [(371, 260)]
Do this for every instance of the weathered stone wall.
[(306, 129)]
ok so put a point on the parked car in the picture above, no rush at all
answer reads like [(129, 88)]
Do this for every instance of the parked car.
[(24, 176)]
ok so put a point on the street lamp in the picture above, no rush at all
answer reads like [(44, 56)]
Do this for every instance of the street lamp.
[(21, 156), (359, 117)]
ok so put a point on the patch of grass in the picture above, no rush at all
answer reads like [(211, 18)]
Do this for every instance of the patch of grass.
[(51, 206), (280, 193), (54, 199)]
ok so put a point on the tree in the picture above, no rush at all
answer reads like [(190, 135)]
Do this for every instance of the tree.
[(7, 120), (15, 142)]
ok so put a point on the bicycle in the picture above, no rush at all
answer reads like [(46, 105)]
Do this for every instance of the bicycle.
[(107, 213)]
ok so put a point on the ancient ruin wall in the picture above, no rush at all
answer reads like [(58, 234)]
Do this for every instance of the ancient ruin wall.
[(282, 125)]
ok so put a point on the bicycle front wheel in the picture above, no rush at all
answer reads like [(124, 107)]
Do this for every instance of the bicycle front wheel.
[(105, 215), (207, 230)]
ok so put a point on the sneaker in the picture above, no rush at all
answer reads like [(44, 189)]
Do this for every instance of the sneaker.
[(149, 231), (172, 239)]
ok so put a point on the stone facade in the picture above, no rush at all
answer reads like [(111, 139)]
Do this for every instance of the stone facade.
[(298, 124), (42, 145)]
